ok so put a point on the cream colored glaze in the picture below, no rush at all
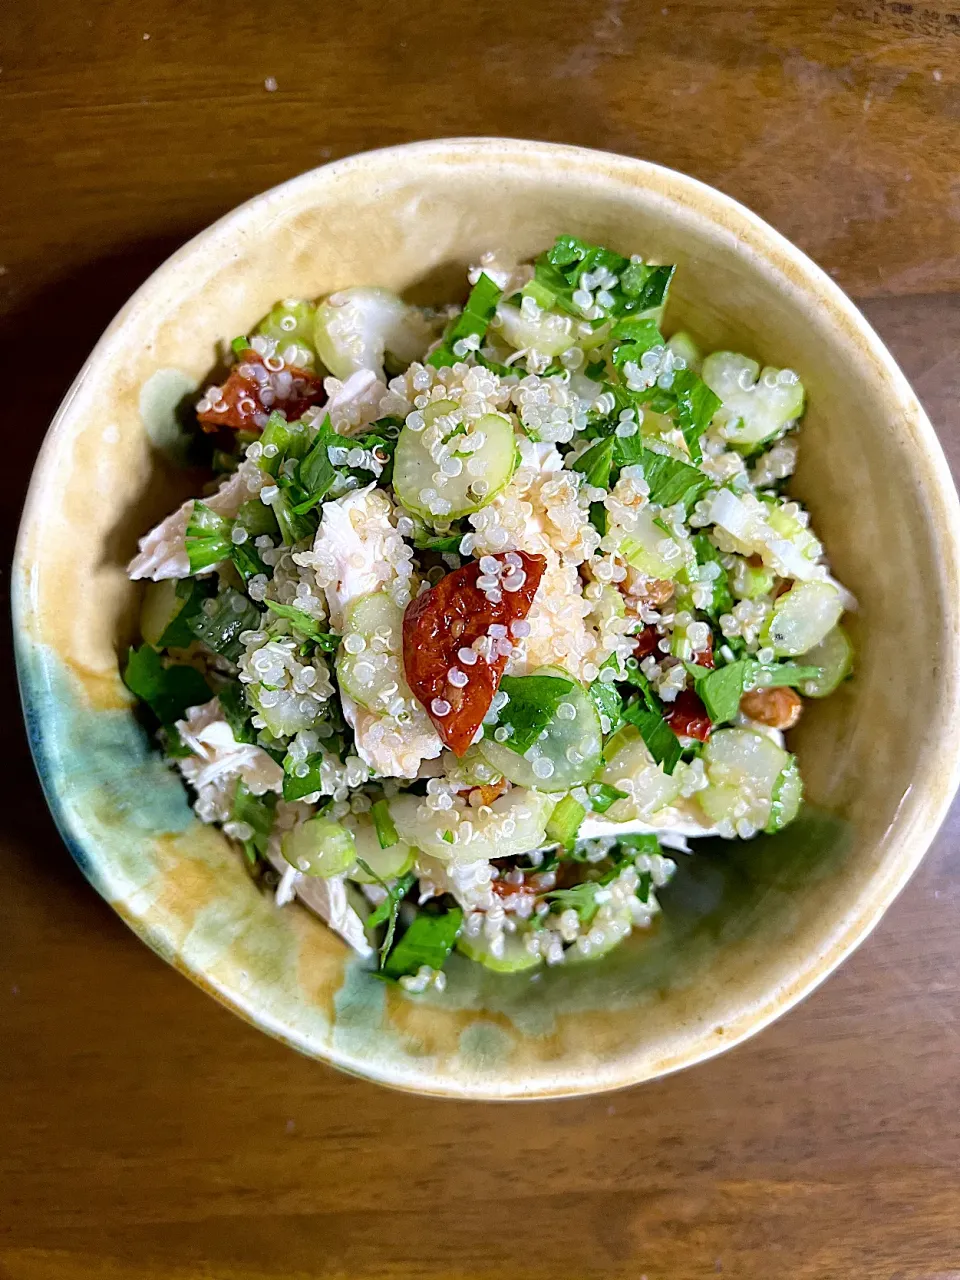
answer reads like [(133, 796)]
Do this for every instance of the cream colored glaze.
[(883, 753)]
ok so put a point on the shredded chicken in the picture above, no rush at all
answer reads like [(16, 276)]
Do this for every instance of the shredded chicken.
[(163, 552), (218, 760)]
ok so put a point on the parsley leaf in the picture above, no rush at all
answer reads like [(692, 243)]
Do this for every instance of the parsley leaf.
[(257, 812), (428, 941), (167, 691), (707, 553), (662, 743), (672, 481), (295, 788), (696, 405), (387, 911), (608, 702), (646, 714), (634, 336), (781, 674), (602, 796), (720, 691), (307, 626), (237, 712), (316, 475), (596, 463), (193, 592), (532, 704), (581, 898), (472, 321)]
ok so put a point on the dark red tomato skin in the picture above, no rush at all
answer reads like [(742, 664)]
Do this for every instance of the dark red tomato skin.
[(647, 642), (242, 402), (687, 717), (450, 617), (705, 657)]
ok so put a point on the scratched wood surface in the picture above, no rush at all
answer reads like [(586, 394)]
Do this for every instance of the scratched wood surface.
[(146, 1133)]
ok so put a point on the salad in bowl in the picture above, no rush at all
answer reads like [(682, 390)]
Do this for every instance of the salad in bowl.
[(489, 611)]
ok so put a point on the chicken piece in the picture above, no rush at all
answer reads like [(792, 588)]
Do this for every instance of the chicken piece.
[(392, 750), (163, 551), (325, 897), (354, 402), (358, 551), (218, 760)]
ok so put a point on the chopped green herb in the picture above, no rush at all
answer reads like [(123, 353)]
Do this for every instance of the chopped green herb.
[(446, 542), (646, 286), (780, 674), (386, 830), (294, 525), (596, 464), (581, 898), (720, 691), (387, 911), (316, 474), (646, 714), (307, 626), (532, 704), (247, 561), (471, 322), (237, 712), (174, 747), (193, 592), (257, 519), (707, 553), (258, 813), (672, 481), (295, 788), (602, 796), (428, 941), (662, 743), (240, 345), (696, 405), (634, 336), (607, 700), (640, 843), (167, 690)]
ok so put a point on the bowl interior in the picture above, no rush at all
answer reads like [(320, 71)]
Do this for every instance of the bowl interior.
[(746, 929)]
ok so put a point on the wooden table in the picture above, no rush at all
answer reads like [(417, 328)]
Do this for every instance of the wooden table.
[(147, 1133)]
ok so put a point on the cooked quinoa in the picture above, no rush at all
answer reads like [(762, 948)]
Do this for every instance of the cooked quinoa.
[(486, 608)]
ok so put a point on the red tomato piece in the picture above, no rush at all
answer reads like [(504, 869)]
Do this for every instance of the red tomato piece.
[(247, 398), (688, 717), (449, 617), (647, 642), (705, 657)]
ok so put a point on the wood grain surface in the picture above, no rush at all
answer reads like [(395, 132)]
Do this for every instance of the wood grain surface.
[(145, 1133)]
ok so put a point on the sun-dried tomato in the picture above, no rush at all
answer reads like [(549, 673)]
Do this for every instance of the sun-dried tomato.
[(687, 717), (246, 401), (704, 658), (647, 642), (449, 617)]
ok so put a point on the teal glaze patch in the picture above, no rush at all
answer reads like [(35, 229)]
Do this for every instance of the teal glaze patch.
[(98, 769), (360, 1011), (485, 1047), (162, 400)]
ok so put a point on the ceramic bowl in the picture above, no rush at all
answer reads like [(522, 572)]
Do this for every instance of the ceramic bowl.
[(747, 929)]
